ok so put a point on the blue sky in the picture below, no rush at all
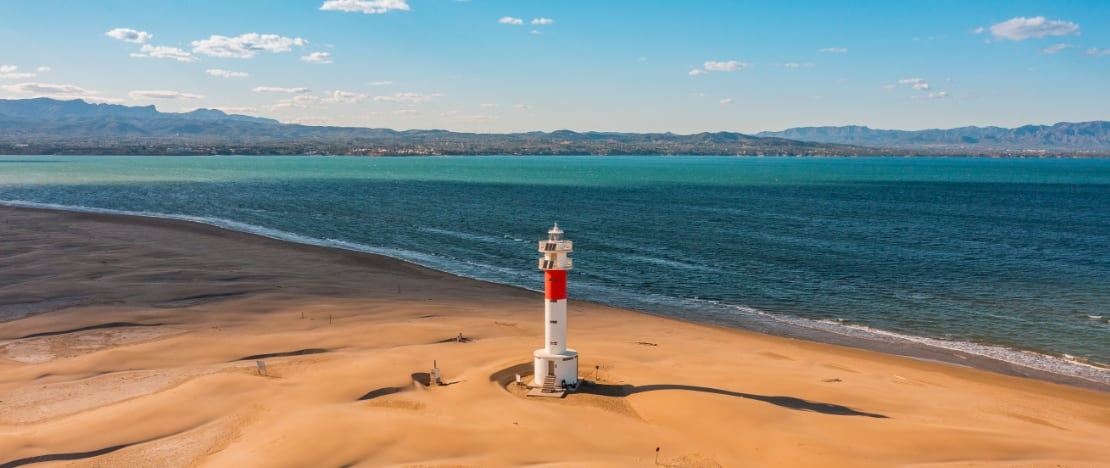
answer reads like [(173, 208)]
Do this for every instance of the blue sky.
[(524, 65)]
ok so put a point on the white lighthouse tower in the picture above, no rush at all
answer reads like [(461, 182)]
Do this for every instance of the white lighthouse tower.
[(556, 366)]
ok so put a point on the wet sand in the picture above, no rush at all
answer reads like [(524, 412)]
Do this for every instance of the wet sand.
[(131, 341)]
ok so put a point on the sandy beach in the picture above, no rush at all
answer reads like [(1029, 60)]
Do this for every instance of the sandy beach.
[(130, 341)]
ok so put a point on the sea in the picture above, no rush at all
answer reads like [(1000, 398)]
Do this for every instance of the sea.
[(1006, 259)]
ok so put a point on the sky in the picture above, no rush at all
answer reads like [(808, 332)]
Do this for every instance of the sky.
[(494, 66)]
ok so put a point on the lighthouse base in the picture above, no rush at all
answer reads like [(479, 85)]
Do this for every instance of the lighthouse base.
[(562, 366)]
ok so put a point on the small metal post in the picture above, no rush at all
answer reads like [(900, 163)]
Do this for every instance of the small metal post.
[(656, 455)]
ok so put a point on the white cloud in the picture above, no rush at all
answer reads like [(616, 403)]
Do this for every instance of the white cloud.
[(44, 69), (728, 66), (162, 94), (406, 112), (245, 45), (1052, 49), (166, 52), (542, 21), (726, 101), (106, 100), (317, 57), (697, 72), (47, 89), (379, 83), (510, 20), (225, 109), (275, 89), (129, 35), (487, 106), (226, 73), (915, 83), (410, 97), (297, 101), (938, 95), (889, 86), (346, 97), (1021, 28), (521, 106), (370, 7), (461, 117), (1094, 52), (797, 65), (9, 72), (535, 32), (833, 50)]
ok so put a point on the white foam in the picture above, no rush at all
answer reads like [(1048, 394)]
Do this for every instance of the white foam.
[(1066, 365)]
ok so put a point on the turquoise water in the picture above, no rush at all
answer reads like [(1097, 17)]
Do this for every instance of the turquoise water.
[(1006, 258)]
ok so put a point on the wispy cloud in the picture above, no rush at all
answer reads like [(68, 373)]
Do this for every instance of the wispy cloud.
[(833, 50), (542, 21), (521, 106), (370, 7), (245, 45), (317, 57), (9, 72), (406, 112), (915, 83), (793, 65), (1052, 49), (726, 101), (162, 94), (697, 72), (44, 69), (48, 89), (510, 20), (297, 101), (938, 95), (1094, 52), (164, 52), (1021, 28), (346, 97), (225, 109), (275, 89), (379, 83), (414, 98), (226, 73), (487, 106), (129, 35), (728, 66)]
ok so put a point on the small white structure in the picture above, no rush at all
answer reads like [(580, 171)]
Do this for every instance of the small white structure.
[(556, 366)]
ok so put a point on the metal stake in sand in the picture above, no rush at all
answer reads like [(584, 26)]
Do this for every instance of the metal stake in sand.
[(261, 367)]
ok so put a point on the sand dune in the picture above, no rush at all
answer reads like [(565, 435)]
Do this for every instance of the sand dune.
[(132, 342)]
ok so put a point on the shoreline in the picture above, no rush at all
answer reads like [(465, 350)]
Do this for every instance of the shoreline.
[(906, 345), (144, 353)]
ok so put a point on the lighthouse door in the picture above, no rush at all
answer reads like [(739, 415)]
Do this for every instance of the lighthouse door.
[(550, 367)]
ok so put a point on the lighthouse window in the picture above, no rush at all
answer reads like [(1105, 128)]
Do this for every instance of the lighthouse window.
[(554, 343), (554, 321), (549, 246)]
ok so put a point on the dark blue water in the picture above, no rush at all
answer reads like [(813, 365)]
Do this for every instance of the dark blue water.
[(1007, 258)]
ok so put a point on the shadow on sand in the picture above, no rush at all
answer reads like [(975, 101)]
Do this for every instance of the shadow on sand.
[(793, 403), (61, 456)]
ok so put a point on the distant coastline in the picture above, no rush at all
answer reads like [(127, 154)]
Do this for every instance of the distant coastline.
[(45, 126)]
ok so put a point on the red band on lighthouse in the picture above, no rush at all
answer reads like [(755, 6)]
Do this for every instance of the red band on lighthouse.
[(555, 284)]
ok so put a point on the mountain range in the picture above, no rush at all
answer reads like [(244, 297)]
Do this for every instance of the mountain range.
[(49, 126)]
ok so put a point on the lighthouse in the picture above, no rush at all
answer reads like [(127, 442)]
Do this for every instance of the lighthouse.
[(556, 366)]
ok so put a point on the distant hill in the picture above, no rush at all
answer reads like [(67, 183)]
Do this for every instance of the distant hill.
[(1081, 136), (48, 126)]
